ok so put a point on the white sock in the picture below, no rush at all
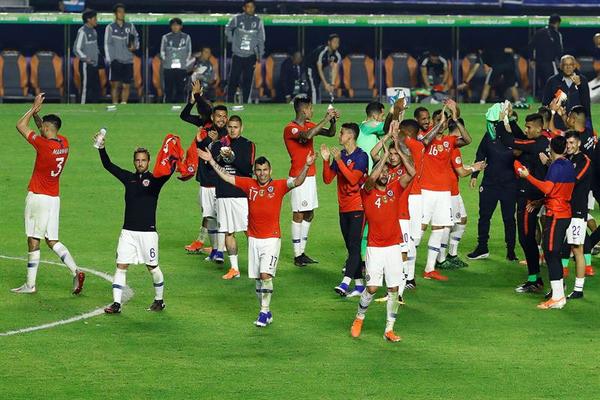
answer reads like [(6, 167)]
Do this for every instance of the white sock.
[(265, 295), (63, 253), (359, 282), (347, 280), (33, 262), (119, 284), (221, 241), (363, 304), (392, 310), (579, 282), (417, 237), (433, 248), (297, 238), (159, 283), (444, 245), (258, 284), (211, 227), (233, 259), (558, 290), (305, 229), (202, 235), (402, 285), (411, 260), (455, 236)]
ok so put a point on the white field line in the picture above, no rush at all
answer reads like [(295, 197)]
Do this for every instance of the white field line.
[(127, 295)]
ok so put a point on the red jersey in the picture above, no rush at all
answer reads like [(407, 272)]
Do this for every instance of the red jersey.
[(417, 151), (437, 173), (264, 206), (382, 214), (395, 173), (299, 148), (351, 171), (51, 157), (456, 162)]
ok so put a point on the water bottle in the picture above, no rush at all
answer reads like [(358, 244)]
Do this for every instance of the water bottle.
[(330, 107), (100, 137)]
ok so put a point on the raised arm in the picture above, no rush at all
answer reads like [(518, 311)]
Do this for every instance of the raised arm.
[(23, 122), (353, 176), (328, 174), (435, 130), (299, 180), (319, 129), (223, 174), (370, 183), (407, 161), (116, 171)]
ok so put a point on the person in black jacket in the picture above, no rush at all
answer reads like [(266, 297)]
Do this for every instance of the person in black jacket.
[(499, 184), (292, 78), (236, 155), (527, 147), (138, 242), (212, 126), (574, 85), (545, 49)]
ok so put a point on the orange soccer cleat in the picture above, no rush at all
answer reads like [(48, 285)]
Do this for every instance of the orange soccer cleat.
[(231, 274), (589, 271), (390, 336), (195, 247), (435, 275), (356, 327), (546, 305)]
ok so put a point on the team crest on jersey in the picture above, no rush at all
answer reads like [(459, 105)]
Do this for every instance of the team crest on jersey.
[(390, 193), (270, 189), (294, 131), (348, 162), (446, 144), (261, 192), (480, 189), (146, 182), (458, 160)]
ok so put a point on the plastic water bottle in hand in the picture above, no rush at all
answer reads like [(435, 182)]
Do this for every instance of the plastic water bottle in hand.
[(329, 108), (100, 138)]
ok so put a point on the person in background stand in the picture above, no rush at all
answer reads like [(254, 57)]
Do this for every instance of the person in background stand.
[(86, 48), (246, 33), (176, 56), (292, 78), (545, 49)]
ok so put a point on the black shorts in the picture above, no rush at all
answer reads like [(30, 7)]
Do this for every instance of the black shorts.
[(120, 72), (502, 76)]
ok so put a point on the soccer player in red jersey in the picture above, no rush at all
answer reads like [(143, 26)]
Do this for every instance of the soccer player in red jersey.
[(423, 118), (436, 184), (384, 259), (42, 206), (298, 137), (557, 188), (350, 166), (265, 196)]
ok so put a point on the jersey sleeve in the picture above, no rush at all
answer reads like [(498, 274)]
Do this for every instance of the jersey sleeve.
[(289, 135), (283, 185), (33, 139), (414, 146), (362, 163), (456, 159)]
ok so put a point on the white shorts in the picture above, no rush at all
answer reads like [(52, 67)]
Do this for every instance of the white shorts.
[(41, 216), (304, 197), (208, 201), (263, 255), (232, 214), (137, 248), (458, 208), (384, 262), (591, 201), (415, 210), (576, 231), (437, 208), (405, 228)]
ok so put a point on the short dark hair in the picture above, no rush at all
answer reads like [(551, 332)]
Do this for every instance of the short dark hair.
[(558, 144), (545, 112), (141, 150), (117, 6), (554, 18), (572, 134), (53, 119), (419, 110), (262, 161), (88, 13), (236, 118), (438, 112), (373, 108), (175, 20), (453, 125), (409, 125), (578, 110), (353, 126), (249, 1), (333, 36), (220, 107), (535, 117), (301, 101)]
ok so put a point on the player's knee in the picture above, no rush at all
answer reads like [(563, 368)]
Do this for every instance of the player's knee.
[(265, 277), (372, 289), (51, 243), (308, 216), (298, 217), (122, 266), (393, 289), (33, 244), (463, 221)]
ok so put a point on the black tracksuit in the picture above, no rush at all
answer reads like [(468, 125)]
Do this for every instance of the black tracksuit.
[(576, 96), (241, 165), (545, 48), (499, 184), (529, 157)]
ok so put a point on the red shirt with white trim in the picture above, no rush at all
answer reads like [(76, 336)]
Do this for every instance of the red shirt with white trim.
[(264, 205), (456, 162), (299, 148), (437, 173), (417, 152), (382, 215), (50, 160)]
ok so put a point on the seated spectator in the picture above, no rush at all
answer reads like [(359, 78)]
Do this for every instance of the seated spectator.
[(293, 78), (435, 72), (502, 75), (204, 71)]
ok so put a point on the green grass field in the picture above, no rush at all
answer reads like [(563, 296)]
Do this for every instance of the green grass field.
[(471, 337)]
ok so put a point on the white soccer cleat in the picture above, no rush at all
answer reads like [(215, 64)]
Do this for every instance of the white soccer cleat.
[(25, 289)]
